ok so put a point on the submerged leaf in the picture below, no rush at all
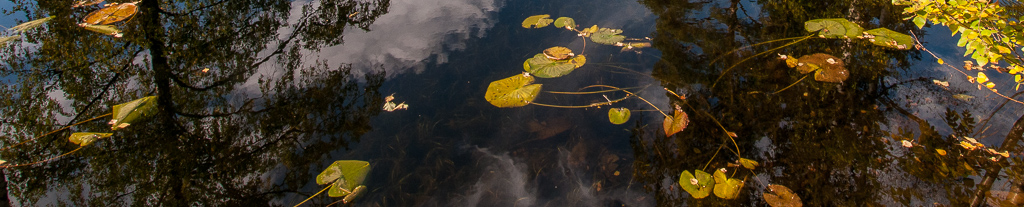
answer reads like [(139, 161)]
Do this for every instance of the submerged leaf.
[(618, 115), (542, 66), (888, 38), (607, 36), (781, 196), (565, 22), (676, 123), (513, 91), (86, 138), (112, 14), (698, 186), (537, 21), (30, 24), (128, 113), (833, 28)]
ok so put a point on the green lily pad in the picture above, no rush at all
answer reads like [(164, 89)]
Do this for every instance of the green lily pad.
[(513, 91), (698, 186), (544, 67), (781, 196), (344, 176), (749, 164), (537, 21), (136, 110), (558, 53), (607, 36), (676, 123), (578, 61), (888, 38), (565, 22), (86, 138), (618, 115), (833, 28), (726, 188)]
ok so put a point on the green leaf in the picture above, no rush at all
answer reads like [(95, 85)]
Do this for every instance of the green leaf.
[(726, 188), (544, 67), (919, 21), (749, 164), (888, 38), (578, 61), (607, 36), (343, 175), (618, 115), (833, 28), (698, 186), (136, 110), (676, 123), (537, 21), (86, 138), (781, 196), (565, 22), (513, 91), (30, 24)]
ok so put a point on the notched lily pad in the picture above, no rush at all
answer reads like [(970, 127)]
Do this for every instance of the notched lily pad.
[(833, 28), (345, 176), (781, 196), (111, 14), (607, 36), (578, 61), (537, 21), (87, 138), (565, 22), (698, 184), (826, 68), (133, 111), (513, 91), (558, 53), (726, 188), (888, 38), (542, 66), (676, 123), (618, 115)]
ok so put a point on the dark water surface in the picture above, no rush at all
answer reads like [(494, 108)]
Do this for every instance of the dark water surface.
[(295, 86)]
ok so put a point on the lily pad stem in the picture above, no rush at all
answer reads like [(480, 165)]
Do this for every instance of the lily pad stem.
[(42, 161), (314, 195), (791, 85), (726, 71), (55, 131)]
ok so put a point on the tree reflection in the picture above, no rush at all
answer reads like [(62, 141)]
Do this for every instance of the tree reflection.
[(221, 137)]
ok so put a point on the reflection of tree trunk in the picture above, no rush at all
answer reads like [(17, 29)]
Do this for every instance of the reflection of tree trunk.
[(992, 174), (155, 31), (4, 200)]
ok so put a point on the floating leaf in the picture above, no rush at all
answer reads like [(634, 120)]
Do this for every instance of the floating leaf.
[(781, 196), (676, 123), (30, 24), (344, 176), (112, 14), (941, 152), (86, 3), (558, 53), (565, 22), (888, 38), (588, 31), (607, 36), (832, 74), (513, 91), (963, 97), (128, 113), (833, 28), (578, 61), (86, 138), (355, 193), (5, 39), (102, 29), (749, 164), (726, 188), (698, 186), (618, 115), (537, 21), (544, 67)]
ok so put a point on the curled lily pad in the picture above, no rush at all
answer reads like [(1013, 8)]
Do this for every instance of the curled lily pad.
[(542, 66), (833, 28), (699, 185), (781, 196), (537, 21), (618, 115), (558, 53), (888, 38), (128, 113), (513, 91), (344, 176), (676, 123), (565, 22), (607, 36), (102, 29), (86, 138), (749, 164), (111, 14), (578, 61), (588, 31), (726, 188)]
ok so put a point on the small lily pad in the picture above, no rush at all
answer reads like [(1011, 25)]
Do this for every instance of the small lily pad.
[(343, 175), (537, 21), (618, 115), (136, 110), (749, 164), (578, 61), (544, 67), (112, 14), (607, 36), (781, 196), (888, 38), (558, 53), (698, 186), (565, 22), (86, 138), (833, 28), (726, 188), (513, 91), (676, 123)]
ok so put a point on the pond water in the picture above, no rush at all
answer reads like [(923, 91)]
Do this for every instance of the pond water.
[(256, 98)]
